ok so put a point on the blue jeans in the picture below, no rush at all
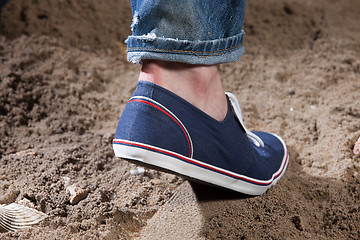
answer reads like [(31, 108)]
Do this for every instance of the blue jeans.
[(190, 31)]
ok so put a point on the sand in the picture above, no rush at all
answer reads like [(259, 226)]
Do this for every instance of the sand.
[(64, 82)]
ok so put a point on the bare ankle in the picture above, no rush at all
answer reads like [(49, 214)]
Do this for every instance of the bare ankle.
[(198, 84)]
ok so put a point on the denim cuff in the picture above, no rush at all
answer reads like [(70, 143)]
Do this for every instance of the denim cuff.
[(205, 52)]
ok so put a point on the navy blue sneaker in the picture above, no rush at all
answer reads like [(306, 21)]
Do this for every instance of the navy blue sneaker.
[(162, 130)]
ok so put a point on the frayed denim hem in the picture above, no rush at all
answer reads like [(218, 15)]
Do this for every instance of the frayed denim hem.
[(207, 52)]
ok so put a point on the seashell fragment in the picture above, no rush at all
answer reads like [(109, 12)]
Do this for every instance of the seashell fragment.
[(357, 148), (76, 194), (15, 216)]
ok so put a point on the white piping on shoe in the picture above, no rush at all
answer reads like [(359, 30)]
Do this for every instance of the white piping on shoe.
[(236, 107)]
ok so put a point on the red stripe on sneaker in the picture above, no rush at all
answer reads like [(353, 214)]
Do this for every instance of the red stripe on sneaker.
[(285, 163), (197, 163), (169, 115)]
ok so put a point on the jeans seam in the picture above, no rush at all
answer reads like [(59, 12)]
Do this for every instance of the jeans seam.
[(182, 51)]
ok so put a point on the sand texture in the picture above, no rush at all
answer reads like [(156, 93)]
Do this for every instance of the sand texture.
[(64, 82)]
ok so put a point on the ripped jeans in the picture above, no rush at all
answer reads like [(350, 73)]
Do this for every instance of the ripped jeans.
[(189, 31)]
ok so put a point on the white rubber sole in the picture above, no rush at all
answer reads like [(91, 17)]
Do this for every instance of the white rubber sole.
[(195, 169)]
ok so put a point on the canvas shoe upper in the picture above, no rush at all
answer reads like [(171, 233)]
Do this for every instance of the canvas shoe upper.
[(162, 130)]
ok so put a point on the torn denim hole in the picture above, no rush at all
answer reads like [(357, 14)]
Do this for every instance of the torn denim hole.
[(135, 21)]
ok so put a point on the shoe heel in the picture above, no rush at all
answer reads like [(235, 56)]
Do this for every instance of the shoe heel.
[(146, 121)]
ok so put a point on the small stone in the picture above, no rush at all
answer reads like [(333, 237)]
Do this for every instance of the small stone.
[(76, 194), (139, 171), (291, 92), (67, 181), (357, 148)]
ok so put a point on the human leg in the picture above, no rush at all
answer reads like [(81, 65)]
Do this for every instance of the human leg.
[(200, 85), (190, 31), (199, 33), (193, 32), (179, 118)]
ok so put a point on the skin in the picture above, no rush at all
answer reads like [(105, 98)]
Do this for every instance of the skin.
[(200, 85)]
